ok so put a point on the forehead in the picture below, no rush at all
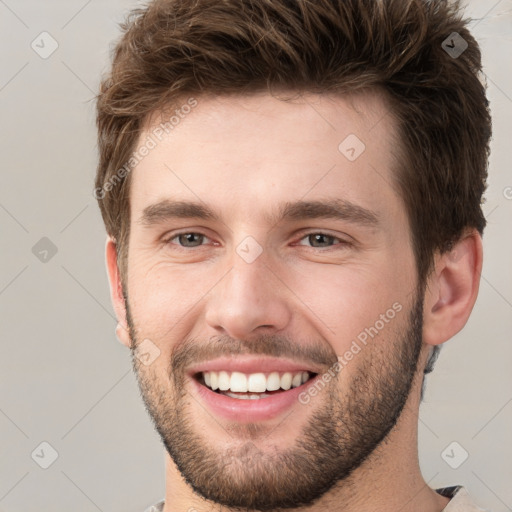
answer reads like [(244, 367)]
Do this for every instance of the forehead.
[(256, 150)]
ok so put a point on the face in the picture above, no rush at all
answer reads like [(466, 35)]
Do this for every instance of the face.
[(271, 294)]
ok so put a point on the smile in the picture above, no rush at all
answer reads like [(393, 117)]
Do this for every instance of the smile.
[(254, 385), (247, 389)]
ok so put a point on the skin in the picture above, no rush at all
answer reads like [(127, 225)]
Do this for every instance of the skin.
[(243, 156)]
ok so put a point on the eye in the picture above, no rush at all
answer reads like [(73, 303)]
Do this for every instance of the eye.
[(187, 239), (321, 240)]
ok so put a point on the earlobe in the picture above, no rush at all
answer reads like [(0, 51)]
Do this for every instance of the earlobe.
[(452, 289), (123, 335), (116, 292)]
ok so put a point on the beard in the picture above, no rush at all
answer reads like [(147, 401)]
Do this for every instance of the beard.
[(345, 427)]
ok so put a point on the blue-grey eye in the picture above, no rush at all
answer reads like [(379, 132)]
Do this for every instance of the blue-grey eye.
[(321, 240), (190, 239)]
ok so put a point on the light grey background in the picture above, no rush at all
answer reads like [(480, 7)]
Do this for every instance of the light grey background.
[(64, 377)]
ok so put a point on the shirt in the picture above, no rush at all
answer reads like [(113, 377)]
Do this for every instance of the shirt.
[(460, 501)]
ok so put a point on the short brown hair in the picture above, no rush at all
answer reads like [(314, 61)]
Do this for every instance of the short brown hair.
[(173, 49)]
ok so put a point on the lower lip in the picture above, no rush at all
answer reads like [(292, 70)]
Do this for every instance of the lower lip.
[(249, 411)]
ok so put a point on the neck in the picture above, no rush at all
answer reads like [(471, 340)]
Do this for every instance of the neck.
[(389, 480)]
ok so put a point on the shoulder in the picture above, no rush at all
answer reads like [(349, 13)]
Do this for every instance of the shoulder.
[(157, 507), (460, 500)]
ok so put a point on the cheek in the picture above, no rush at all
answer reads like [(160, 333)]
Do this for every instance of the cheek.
[(165, 299), (352, 303)]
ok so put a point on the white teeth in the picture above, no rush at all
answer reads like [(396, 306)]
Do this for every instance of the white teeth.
[(273, 381), (257, 383), (214, 380), (297, 380), (286, 381), (224, 381), (237, 382)]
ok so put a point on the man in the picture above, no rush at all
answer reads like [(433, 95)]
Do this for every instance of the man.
[(292, 195)]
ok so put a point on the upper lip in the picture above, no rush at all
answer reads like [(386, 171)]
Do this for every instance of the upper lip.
[(251, 364)]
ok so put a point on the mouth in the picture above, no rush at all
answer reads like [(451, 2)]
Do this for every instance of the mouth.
[(252, 386), (252, 389)]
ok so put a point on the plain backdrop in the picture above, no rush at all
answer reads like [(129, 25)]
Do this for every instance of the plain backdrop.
[(64, 378)]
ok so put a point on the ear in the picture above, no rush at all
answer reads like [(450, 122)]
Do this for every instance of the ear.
[(452, 289), (116, 292)]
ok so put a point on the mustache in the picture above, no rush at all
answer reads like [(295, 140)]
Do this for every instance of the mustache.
[(191, 351)]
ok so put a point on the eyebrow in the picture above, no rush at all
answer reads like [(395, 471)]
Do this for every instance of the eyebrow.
[(167, 209), (337, 209)]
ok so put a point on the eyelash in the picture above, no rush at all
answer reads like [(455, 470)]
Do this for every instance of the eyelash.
[(341, 242)]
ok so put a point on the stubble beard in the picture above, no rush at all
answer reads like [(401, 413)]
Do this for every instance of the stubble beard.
[(344, 429)]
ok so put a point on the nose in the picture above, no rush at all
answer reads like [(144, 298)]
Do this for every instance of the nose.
[(249, 299)]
